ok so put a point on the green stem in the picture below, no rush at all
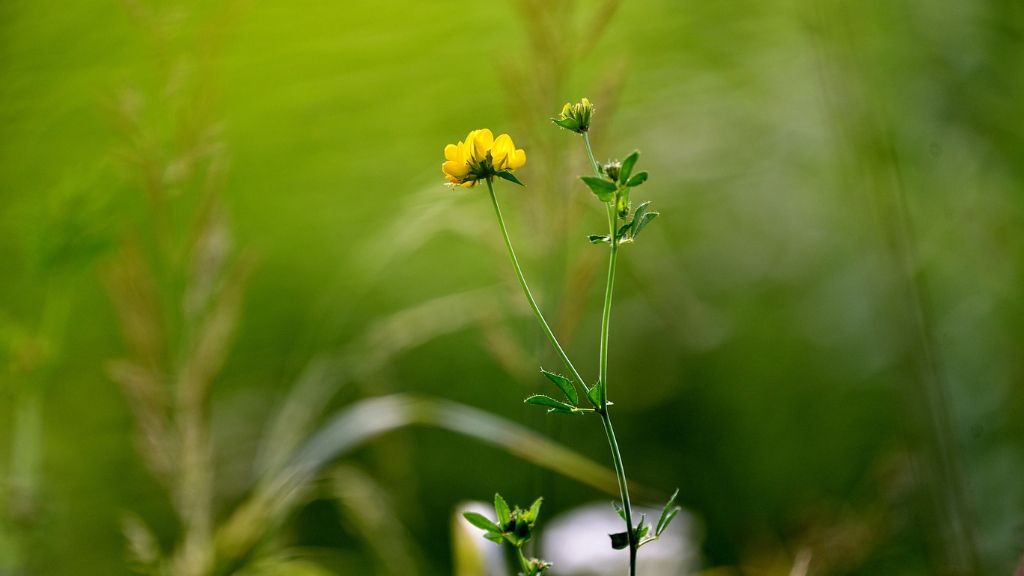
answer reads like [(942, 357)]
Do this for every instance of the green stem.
[(620, 473), (606, 315), (590, 153), (523, 562), (613, 444), (529, 296)]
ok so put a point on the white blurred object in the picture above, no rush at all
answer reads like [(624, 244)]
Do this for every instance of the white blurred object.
[(475, 556), (577, 544)]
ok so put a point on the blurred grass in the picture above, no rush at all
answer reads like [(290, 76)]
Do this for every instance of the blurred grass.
[(762, 323)]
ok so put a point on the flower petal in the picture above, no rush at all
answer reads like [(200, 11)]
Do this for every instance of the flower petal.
[(501, 150), (517, 159), (451, 152), (503, 143), (483, 140), (455, 169)]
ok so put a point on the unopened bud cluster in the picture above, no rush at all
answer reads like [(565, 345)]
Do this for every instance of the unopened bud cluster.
[(575, 117)]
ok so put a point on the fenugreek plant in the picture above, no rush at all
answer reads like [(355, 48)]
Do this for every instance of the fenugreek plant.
[(483, 158)]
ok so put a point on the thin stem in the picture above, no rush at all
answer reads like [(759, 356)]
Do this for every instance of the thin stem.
[(606, 419), (606, 315), (590, 153), (526, 290), (523, 562), (620, 473)]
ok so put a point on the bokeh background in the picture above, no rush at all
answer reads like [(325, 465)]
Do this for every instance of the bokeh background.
[(244, 328)]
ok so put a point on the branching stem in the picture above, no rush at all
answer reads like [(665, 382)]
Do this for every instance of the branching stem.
[(603, 409)]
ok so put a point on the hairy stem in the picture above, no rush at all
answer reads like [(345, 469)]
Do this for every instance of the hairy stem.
[(529, 296)]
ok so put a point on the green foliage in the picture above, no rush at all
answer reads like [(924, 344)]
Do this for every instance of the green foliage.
[(643, 534), (550, 403), (642, 216), (510, 177), (565, 385), (668, 512), (614, 184), (594, 395), (567, 123), (637, 179), (502, 510), (627, 167), (480, 521), (514, 527), (603, 189)]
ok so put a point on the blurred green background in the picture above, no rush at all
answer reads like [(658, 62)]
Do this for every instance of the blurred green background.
[(210, 211)]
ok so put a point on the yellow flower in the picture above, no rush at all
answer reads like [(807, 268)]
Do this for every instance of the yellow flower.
[(456, 165), (479, 143), (481, 156), (504, 155)]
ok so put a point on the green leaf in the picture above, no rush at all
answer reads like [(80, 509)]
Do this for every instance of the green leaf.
[(603, 189), (642, 216), (620, 540), (534, 511), (641, 210), (619, 510), (481, 521), (510, 177), (594, 395), (627, 166), (644, 221), (637, 179), (495, 537), (641, 529), (640, 221), (668, 520), (550, 403), (598, 239), (667, 513), (567, 123), (625, 232), (503, 512), (564, 384)]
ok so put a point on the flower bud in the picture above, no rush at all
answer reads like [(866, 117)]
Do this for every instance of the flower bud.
[(622, 203), (611, 170), (575, 117)]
